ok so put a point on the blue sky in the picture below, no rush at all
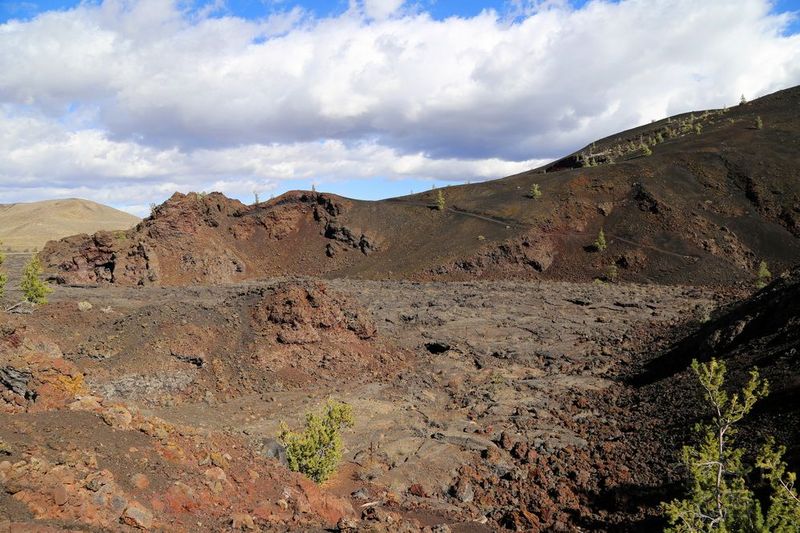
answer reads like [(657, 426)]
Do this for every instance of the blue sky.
[(252, 9), (439, 9), (125, 101)]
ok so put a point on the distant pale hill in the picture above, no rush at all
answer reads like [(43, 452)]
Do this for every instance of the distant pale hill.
[(28, 226)]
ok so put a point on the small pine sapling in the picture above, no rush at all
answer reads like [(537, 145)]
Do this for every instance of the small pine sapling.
[(440, 203), (317, 450), (783, 515), (535, 192), (763, 276), (759, 124), (612, 273), (600, 243), (33, 288), (719, 499)]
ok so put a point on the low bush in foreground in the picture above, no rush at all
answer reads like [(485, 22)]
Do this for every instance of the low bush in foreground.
[(317, 450), (720, 499)]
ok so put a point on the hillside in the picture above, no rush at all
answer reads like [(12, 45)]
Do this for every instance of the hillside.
[(760, 333), (28, 226), (717, 196)]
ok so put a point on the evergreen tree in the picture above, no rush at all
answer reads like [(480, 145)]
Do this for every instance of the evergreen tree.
[(719, 499), (535, 192), (763, 276), (33, 288), (317, 450), (600, 243), (784, 510), (440, 200)]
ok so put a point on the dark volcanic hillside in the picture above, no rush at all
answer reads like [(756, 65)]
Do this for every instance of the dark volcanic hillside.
[(717, 196), (761, 332)]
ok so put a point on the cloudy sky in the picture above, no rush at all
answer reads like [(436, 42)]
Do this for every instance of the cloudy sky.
[(126, 101)]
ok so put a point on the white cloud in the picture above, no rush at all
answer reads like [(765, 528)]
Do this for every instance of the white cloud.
[(42, 159), (381, 9), (130, 93)]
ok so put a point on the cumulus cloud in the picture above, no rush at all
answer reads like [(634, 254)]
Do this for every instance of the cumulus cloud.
[(381, 9), (42, 159), (129, 94)]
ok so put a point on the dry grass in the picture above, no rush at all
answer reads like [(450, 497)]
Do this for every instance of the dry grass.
[(29, 226)]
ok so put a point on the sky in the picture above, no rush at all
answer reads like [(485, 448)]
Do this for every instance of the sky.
[(126, 101)]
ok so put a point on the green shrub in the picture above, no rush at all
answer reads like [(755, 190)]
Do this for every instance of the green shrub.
[(317, 450), (759, 123), (646, 150), (719, 498), (763, 276), (698, 129), (33, 288), (612, 273), (535, 192), (783, 515), (440, 200), (600, 243)]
